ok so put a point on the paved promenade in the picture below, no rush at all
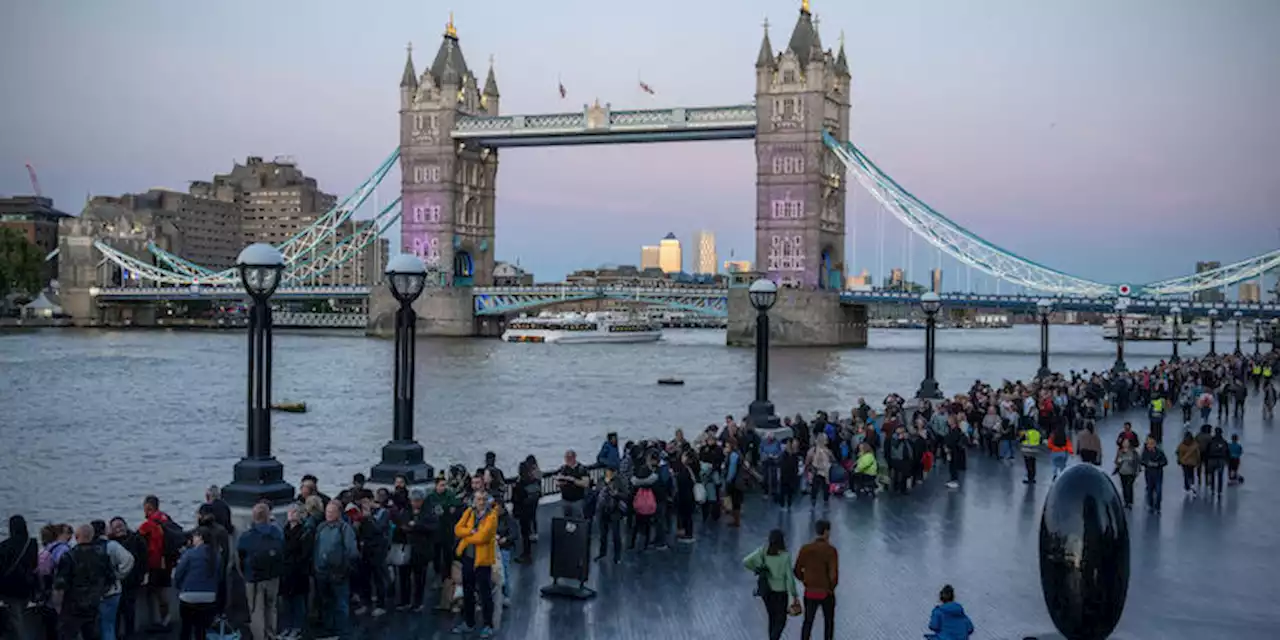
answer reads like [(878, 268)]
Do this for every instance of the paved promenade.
[(1200, 570)]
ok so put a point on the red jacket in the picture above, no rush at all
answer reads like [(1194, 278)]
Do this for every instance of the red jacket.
[(153, 533)]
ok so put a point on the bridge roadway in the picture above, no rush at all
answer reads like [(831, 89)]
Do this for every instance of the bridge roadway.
[(705, 300)]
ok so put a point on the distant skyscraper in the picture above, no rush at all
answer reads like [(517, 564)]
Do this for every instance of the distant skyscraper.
[(704, 252), (859, 281), (897, 280), (1250, 292), (936, 276), (649, 257), (669, 257), (1209, 295)]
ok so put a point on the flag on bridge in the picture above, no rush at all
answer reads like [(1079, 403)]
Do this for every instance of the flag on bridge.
[(563, 93), (646, 88)]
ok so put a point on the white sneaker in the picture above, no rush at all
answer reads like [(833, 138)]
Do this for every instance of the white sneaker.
[(953, 484), (360, 610), (378, 612)]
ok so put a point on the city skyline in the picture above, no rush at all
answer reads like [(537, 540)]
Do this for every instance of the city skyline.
[(1035, 128)]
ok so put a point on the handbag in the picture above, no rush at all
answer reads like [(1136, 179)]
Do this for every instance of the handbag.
[(699, 493), (795, 609), (399, 554), (762, 581)]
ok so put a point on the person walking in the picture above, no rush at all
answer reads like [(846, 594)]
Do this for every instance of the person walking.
[(1127, 464), (1219, 452), (1059, 450), (1188, 454), (772, 566), (818, 567), (1030, 441), (1089, 445), (1153, 463)]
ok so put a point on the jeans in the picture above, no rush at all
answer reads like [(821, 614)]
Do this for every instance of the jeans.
[(477, 581), (811, 606), (772, 477), (505, 554), (413, 584), (107, 610), (1213, 473), (1155, 489), (1030, 462), (610, 523), (196, 618), (1188, 476), (293, 612), (819, 484), (16, 618), (572, 508), (262, 606), (1126, 487), (373, 588), (1059, 460), (333, 598), (127, 612), (775, 605), (1006, 449)]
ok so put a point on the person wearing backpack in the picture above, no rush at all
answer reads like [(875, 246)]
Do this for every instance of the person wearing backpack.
[(774, 581), (131, 584), (335, 557), (644, 500), (165, 541), (1217, 453), (198, 580), (121, 566), (373, 536), (261, 550), (82, 579), (19, 556)]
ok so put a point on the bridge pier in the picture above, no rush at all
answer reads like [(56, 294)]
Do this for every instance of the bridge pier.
[(801, 318), (442, 311)]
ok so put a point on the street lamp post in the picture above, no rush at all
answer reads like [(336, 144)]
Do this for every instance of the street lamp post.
[(931, 304), (1119, 366), (1275, 335), (1044, 307), (1176, 312), (1213, 332), (258, 475), (763, 294), (406, 276), (1257, 336), (1239, 316)]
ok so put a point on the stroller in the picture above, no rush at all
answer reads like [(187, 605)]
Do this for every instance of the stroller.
[(839, 479)]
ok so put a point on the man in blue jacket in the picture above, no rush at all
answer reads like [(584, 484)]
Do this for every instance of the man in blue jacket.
[(948, 620), (335, 559), (609, 456), (261, 550)]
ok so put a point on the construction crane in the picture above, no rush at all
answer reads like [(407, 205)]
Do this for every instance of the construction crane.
[(35, 182)]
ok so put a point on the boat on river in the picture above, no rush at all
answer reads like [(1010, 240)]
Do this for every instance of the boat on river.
[(577, 328), (1149, 329)]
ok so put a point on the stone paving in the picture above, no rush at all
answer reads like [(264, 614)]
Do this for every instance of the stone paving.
[(1202, 569)]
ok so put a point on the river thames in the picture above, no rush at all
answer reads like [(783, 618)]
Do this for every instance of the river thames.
[(95, 420)]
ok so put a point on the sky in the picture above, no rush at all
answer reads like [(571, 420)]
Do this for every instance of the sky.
[(1119, 141)]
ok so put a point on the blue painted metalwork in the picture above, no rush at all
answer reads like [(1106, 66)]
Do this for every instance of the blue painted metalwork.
[(498, 301), (600, 125), (155, 294), (1027, 303)]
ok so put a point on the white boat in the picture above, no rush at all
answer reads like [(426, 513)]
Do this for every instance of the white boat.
[(576, 328), (1149, 329)]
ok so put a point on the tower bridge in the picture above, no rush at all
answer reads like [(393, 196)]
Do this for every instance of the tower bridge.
[(452, 133)]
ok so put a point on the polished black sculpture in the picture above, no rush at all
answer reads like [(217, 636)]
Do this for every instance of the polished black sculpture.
[(1084, 554)]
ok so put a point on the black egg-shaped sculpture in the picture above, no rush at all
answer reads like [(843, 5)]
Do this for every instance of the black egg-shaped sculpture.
[(1084, 554)]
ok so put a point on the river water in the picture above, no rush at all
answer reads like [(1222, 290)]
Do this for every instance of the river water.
[(91, 421)]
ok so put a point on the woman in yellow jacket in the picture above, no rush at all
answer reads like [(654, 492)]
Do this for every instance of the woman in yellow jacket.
[(477, 535)]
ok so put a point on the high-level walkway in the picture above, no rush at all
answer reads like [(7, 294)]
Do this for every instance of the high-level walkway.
[(1202, 569)]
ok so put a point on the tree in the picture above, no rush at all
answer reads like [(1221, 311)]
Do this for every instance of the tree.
[(21, 264)]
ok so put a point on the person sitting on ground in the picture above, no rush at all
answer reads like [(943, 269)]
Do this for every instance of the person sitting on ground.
[(866, 470), (948, 620)]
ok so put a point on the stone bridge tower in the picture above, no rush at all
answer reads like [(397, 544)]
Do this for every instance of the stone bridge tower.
[(447, 187), (800, 193)]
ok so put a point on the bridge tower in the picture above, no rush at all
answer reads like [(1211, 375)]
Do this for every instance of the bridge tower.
[(801, 91), (447, 187)]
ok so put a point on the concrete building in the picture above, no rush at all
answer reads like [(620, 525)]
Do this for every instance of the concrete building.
[(737, 266), (210, 227), (1209, 295), (276, 199), (1250, 292), (670, 258), (506, 274), (897, 280), (37, 219), (704, 252), (935, 277), (649, 257)]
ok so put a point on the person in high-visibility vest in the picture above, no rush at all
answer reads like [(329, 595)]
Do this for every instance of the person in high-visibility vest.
[(1030, 440), (1256, 374), (1157, 419)]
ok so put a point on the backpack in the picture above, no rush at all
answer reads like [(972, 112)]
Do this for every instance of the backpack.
[(175, 539), (645, 504), (137, 547), (91, 575), (265, 556), (47, 559), (1218, 449)]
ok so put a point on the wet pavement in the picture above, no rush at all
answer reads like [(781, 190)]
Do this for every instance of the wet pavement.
[(1201, 569)]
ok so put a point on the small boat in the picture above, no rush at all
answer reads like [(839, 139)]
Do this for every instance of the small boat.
[(674, 382), (290, 407)]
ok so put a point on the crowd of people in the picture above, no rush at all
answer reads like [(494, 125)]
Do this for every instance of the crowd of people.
[(449, 546)]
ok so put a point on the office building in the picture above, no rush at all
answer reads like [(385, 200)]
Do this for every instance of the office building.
[(1209, 295), (897, 280), (649, 257), (704, 252), (276, 199), (37, 220), (1250, 292), (670, 260), (936, 280), (860, 281), (210, 227), (737, 266)]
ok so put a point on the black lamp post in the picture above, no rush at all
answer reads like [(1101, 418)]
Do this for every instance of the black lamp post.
[(1044, 307), (1239, 316), (1176, 312), (259, 476), (763, 294), (406, 275), (1120, 366), (1213, 332), (1275, 335), (1257, 336), (931, 304)]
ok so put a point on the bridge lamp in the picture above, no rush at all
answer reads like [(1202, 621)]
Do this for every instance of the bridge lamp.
[(763, 294), (406, 277), (1044, 307), (931, 304), (1213, 332), (1119, 367), (1239, 316), (259, 476), (1257, 336), (1176, 312)]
